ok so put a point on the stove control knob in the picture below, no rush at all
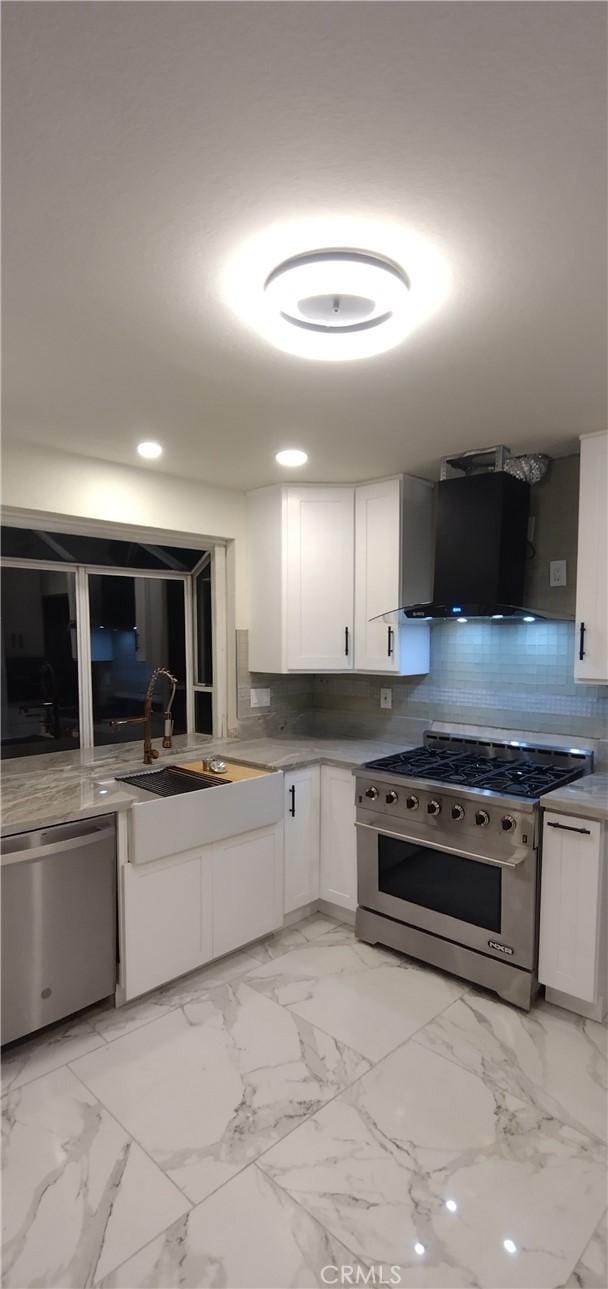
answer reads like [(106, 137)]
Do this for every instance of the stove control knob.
[(457, 812), (433, 807), (391, 798), (372, 793), (507, 823), (412, 802), (482, 818)]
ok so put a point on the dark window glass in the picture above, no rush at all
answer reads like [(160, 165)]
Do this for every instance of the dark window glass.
[(39, 662), (137, 624), (461, 888), (203, 712), (204, 649), (70, 548)]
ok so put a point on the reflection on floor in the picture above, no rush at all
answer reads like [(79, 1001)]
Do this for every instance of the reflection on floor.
[(308, 1111)]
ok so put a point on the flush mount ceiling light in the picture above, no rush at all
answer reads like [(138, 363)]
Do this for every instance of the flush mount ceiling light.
[(313, 291), (291, 457), (337, 292), (150, 451)]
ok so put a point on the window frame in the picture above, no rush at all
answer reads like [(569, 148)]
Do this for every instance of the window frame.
[(210, 549)]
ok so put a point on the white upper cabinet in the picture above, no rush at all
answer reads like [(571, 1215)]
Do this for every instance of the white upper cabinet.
[(591, 642), (393, 567), (319, 570), (301, 570), (309, 547)]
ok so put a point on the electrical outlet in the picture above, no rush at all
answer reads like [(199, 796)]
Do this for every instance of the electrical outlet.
[(386, 698), (259, 697), (557, 572)]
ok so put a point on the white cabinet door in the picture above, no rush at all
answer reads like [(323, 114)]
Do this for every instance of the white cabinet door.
[(247, 888), (393, 566), (301, 837), (319, 576), (338, 877), (377, 573), (570, 908), (591, 639), (163, 922)]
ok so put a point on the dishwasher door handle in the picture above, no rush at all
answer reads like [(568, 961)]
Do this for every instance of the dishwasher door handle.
[(57, 847)]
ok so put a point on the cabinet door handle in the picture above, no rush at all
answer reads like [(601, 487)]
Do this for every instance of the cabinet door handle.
[(346, 641), (569, 828), (390, 642), (581, 642), (292, 793)]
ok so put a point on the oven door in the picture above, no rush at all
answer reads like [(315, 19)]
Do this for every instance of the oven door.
[(486, 904)]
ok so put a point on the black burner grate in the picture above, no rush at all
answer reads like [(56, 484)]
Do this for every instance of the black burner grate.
[(519, 777)]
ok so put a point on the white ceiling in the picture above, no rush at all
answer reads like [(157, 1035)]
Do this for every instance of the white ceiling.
[(144, 143)]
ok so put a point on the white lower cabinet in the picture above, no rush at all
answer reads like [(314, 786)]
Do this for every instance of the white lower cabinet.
[(166, 932), (338, 876), (571, 950), (301, 837), (182, 911), (247, 888)]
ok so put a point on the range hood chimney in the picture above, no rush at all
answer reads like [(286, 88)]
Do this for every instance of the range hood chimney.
[(481, 539)]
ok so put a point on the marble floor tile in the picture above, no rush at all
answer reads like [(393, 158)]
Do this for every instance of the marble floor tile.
[(425, 1166), (365, 997), (79, 1195), (317, 928), (591, 1271), (248, 1235), (208, 1087), (548, 1056), (48, 1050)]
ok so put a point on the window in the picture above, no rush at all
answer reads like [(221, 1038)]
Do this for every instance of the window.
[(80, 642), (137, 624), (39, 662)]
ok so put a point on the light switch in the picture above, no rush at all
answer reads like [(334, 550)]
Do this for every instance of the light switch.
[(386, 698), (259, 697), (557, 572)]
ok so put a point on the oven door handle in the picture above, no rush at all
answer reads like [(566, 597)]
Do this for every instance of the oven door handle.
[(450, 850)]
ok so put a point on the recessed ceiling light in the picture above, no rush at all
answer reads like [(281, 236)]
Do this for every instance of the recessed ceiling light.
[(313, 290), (529, 618), (291, 457), (150, 451)]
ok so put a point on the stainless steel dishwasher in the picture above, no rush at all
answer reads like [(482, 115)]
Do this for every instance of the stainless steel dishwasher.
[(58, 922)]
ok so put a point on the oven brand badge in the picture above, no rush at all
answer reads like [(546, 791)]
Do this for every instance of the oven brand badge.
[(502, 948)]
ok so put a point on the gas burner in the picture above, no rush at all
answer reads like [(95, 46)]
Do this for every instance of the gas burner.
[(511, 774)]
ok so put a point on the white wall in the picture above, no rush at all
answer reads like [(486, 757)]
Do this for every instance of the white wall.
[(73, 487)]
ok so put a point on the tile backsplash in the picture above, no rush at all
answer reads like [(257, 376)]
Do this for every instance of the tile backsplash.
[(513, 675)]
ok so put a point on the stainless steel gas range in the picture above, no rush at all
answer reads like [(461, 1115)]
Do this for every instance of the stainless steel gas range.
[(448, 855)]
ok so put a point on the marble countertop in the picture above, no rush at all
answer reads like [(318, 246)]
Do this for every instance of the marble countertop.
[(43, 790), (587, 797)]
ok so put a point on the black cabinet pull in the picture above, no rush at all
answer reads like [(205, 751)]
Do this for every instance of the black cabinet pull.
[(390, 642), (581, 642), (569, 828), (346, 641), (292, 793)]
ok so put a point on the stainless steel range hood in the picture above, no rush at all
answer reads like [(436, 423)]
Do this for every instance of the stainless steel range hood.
[(480, 552)]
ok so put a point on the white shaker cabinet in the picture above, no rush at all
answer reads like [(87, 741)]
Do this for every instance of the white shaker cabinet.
[(393, 567), (301, 547), (184, 910), (572, 948), (591, 639), (338, 876), (167, 920), (247, 888), (301, 837)]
